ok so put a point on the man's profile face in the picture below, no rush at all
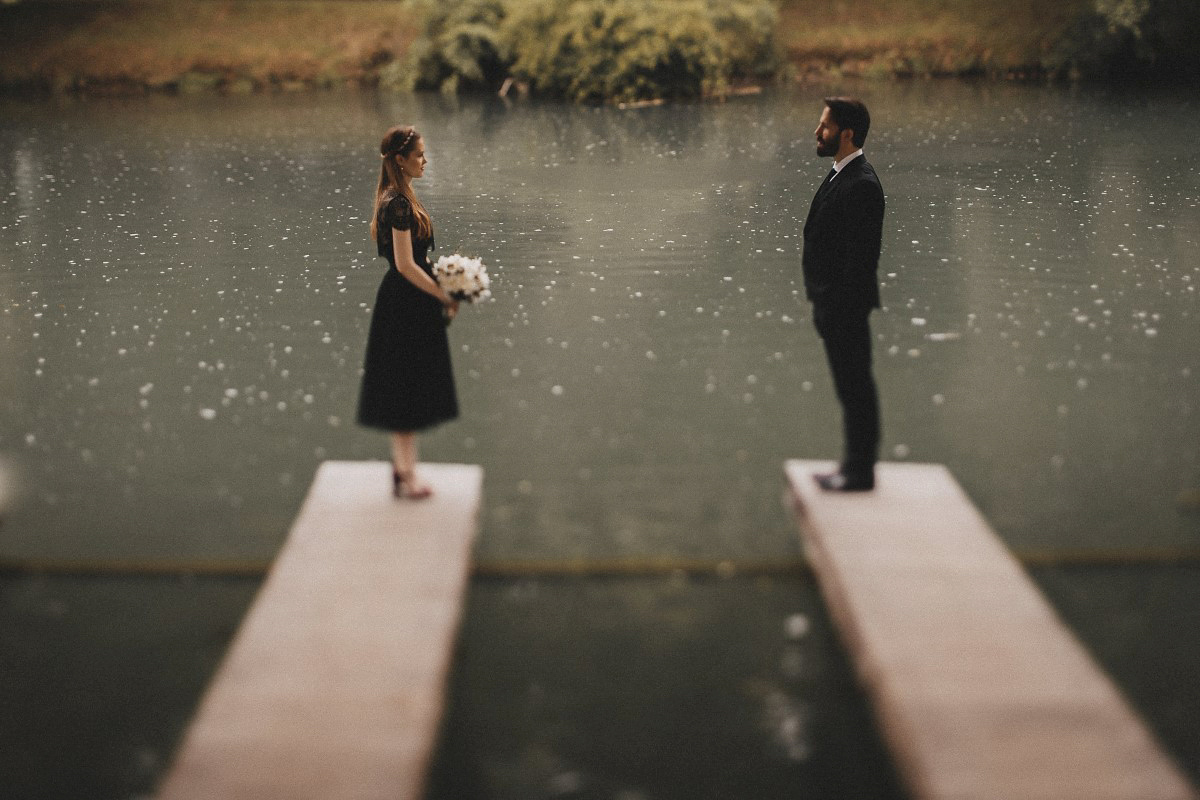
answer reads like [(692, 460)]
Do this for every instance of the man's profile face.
[(829, 135)]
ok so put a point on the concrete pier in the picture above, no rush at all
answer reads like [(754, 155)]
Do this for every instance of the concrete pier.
[(333, 686), (979, 688)]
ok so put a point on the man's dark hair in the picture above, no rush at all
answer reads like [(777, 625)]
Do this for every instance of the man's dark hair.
[(848, 112)]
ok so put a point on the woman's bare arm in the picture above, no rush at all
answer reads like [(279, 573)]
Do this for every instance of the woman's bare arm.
[(402, 252)]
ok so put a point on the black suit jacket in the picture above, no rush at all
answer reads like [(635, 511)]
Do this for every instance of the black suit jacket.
[(842, 239)]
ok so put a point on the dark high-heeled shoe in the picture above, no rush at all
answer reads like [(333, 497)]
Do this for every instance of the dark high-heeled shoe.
[(404, 486)]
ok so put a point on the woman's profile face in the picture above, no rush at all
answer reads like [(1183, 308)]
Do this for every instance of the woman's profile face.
[(414, 163)]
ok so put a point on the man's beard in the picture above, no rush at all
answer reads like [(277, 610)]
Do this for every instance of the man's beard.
[(826, 147)]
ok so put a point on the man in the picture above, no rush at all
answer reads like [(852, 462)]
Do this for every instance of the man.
[(842, 239)]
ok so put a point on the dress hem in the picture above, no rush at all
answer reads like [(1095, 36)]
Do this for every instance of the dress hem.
[(390, 428)]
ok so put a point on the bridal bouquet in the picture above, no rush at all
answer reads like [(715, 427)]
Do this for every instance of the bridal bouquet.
[(463, 278)]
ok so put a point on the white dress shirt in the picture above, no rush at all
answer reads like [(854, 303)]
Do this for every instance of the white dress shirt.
[(839, 166)]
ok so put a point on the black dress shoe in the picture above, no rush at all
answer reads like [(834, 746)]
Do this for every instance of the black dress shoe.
[(839, 482)]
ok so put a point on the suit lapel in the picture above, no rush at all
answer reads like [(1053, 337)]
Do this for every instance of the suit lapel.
[(822, 190)]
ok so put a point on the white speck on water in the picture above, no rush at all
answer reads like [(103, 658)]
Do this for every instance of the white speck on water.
[(565, 783), (901, 451), (556, 390), (208, 413), (797, 626), (792, 662), (918, 321), (785, 717)]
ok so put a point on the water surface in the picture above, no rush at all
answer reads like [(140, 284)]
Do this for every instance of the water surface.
[(187, 283), (185, 288)]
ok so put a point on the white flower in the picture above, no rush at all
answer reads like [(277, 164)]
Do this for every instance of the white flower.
[(463, 278)]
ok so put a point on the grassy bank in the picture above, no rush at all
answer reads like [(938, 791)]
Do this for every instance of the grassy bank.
[(110, 46), (113, 46), (925, 37)]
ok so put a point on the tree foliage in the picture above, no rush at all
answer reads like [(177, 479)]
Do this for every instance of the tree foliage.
[(593, 51), (461, 50)]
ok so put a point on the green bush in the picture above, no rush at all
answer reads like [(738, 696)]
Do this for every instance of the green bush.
[(596, 50), (593, 51), (461, 50), (747, 30)]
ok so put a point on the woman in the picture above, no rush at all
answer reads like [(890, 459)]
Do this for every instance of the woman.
[(408, 384)]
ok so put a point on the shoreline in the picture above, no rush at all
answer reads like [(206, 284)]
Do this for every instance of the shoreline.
[(121, 48)]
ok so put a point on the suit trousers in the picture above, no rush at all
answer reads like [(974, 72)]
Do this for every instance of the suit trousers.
[(846, 335)]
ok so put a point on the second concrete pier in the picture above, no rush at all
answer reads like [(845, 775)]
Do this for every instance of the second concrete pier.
[(980, 689)]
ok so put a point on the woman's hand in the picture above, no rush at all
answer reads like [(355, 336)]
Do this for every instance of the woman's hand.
[(451, 308)]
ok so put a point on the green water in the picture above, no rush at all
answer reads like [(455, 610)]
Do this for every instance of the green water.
[(185, 288)]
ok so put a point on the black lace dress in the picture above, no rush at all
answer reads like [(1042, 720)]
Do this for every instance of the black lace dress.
[(408, 383)]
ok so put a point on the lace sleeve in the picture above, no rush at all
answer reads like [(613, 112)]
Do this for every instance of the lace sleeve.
[(398, 213)]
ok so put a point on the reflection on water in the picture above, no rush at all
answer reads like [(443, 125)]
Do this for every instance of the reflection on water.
[(186, 288), (683, 689)]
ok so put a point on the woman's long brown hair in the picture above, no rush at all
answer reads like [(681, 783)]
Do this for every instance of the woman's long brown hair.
[(398, 143)]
